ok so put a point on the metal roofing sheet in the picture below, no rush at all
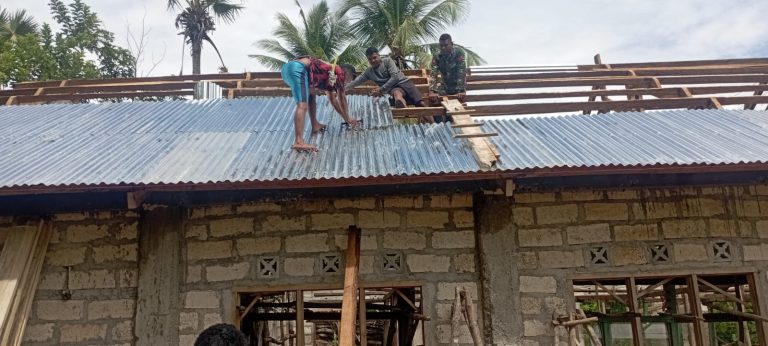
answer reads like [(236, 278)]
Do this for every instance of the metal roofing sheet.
[(249, 140)]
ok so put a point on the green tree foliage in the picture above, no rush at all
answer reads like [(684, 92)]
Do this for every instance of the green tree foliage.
[(196, 22), (407, 27), (82, 48), (321, 34)]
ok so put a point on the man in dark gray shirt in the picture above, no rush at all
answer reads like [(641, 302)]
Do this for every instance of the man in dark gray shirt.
[(390, 80)]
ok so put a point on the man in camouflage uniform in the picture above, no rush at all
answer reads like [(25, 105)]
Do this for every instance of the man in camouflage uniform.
[(452, 67)]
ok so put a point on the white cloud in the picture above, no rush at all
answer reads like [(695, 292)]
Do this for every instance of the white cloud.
[(505, 32)]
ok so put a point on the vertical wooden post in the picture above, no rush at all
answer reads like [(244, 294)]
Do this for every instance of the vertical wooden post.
[(743, 328), (637, 326), (363, 319), (21, 262), (300, 318), (349, 300), (693, 296), (758, 308)]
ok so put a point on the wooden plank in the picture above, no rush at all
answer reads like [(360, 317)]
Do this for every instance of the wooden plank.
[(456, 317), (725, 294), (758, 307), (547, 75), (657, 92), (484, 151), (473, 135), (21, 262), (559, 82), (477, 124), (695, 305), (592, 98), (349, 300), (415, 112), (363, 319), (718, 79), (537, 108), (89, 96), (300, 336), (688, 63), (637, 325), (725, 89), (121, 88), (195, 78)]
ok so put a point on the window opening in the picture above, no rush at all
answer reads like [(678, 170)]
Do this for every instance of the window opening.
[(391, 316), (706, 309)]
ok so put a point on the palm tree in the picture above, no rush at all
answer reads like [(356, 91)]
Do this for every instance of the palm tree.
[(406, 26), (196, 21), (13, 25), (322, 34)]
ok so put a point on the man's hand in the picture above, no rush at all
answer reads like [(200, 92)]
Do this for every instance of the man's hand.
[(433, 97), (461, 96), (353, 123), (376, 92)]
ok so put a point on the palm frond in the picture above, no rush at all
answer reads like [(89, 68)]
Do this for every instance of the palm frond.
[(271, 63), (447, 12), (274, 47), (173, 4), (225, 10)]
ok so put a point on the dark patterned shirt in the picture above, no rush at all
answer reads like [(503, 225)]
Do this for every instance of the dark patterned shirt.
[(453, 69)]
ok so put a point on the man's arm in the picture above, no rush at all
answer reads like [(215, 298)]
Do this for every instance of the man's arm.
[(434, 71), (359, 80), (461, 71), (393, 71)]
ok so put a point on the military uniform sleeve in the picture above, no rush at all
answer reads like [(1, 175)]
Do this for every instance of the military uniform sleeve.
[(461, 71), (434, 71)]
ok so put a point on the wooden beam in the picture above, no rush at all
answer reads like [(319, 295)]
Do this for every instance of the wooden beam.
[(363, 318), (539, 108), (660, 92), (725, 294), (300, 336), (689, 63), (695, 308), (415, 112), (637, 324), (484, 151), (21, 263), (559, 82), (475, 135), (349, 300), (89, 96)]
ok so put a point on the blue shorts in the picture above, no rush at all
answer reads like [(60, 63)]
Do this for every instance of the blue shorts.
[(295, 75)]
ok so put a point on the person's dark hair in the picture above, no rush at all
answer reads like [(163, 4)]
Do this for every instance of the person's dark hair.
[(446, 37), (370, 51), (349, 72), (221, 334)]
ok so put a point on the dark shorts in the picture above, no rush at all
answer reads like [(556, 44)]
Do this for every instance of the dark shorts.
[(410, 92)]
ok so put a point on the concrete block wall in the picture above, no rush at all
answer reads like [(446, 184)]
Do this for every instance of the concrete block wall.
[(548, 237), (434, 235), (101, 250)]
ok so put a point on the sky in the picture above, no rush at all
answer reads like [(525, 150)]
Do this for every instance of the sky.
[(503, 32)]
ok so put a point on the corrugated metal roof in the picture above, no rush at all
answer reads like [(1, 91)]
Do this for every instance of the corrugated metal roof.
[(249, 140)]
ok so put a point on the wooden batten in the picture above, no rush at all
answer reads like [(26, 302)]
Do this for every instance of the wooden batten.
[(350, 298), (485, 152), (21, 262)]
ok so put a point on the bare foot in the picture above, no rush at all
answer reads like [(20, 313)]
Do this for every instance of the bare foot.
[(304, 147), (319, 128)]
